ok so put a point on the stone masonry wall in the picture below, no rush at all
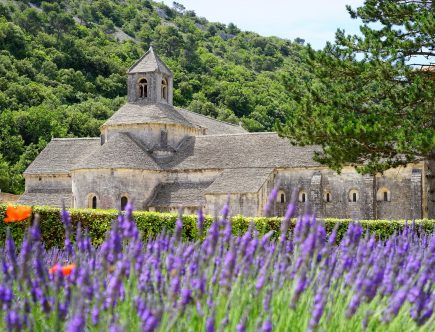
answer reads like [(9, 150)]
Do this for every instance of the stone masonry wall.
[(404, 186), (244, 204), (150, 134), (110, 185), (48, 182)]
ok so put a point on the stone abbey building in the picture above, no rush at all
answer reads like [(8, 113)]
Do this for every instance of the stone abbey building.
[(162, 157)]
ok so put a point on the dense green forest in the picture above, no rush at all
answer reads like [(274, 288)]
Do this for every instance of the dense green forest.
[(63, 70)]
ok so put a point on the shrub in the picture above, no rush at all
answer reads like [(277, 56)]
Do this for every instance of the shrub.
[(98, 222)]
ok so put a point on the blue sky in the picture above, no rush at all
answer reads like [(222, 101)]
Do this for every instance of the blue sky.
[(314, 20)]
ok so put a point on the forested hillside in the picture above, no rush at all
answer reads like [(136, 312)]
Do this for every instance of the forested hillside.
[(63, 65)]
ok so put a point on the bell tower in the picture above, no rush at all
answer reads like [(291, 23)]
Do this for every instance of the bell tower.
[(150, 80)]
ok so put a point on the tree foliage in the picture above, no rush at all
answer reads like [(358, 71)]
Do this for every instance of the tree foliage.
[(372, 103)]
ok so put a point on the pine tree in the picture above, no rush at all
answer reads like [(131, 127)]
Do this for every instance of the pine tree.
[(372, 104)]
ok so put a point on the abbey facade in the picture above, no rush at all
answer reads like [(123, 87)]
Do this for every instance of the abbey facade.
[(162, 158)]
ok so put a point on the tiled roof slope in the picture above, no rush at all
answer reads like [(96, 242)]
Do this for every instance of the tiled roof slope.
[(135, 113), (214, 127), (241, 180), (250, 150), (180, 194), (231, 151), (61, 153), (53, 199), (119, 152), (149, 62)]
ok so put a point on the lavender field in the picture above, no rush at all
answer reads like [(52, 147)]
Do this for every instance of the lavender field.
[(292, 281)]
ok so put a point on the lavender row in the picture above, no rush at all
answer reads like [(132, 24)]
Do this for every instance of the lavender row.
[(302, 281)]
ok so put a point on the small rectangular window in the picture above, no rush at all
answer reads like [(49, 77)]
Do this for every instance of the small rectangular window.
[(385, 196)]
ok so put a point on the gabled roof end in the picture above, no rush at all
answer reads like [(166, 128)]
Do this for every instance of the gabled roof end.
[(149, 62)]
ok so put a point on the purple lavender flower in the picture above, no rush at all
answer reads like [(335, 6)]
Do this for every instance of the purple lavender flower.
[(115, 328), (95, 315), (200, 223), (266, 239), (66, 220), (11, 253), (35, 230), (227, 231), (13, 321), (241, 326), (318, 307), (6, 295), (226, 209), (301, 284), (212, 238), (267, 326), (271, 199), (228, 267), (209, 325), (289, 214), (179, 226), (267, 299), (77, 323), (186, 297), (260, 281), (353, 305)]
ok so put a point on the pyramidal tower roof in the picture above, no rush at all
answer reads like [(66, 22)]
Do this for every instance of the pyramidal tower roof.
[(149, 62)]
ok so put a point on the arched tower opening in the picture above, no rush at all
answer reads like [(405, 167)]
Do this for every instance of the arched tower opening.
[(150, 80), (143, 88)]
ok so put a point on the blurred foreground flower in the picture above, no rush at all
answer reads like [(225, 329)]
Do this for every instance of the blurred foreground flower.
[(65, 270), (17, 213)]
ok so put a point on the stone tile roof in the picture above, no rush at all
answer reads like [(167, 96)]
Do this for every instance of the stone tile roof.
[(240, 180), (230, 151), (53, 199), (121, 151), (249, 150), (61, 153), (214, 127), (149, 62), (180, 194), (136, 113)]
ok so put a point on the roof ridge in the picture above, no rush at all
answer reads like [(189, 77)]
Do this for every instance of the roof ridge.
[(157, 59), (74, 138), (241, 134), (208, 117)]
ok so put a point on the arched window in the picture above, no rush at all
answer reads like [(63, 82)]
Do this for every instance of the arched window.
[(280, 198), (302, 197), (353, 195), (383, 194), (124, 201), (143, 88), (327, 197), (164, 89), (92, 201)]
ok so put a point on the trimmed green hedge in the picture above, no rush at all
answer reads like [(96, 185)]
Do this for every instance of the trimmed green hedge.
[(98, 222)]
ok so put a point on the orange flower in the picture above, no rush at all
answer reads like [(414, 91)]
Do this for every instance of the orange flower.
[(65, 270), (18, 213)]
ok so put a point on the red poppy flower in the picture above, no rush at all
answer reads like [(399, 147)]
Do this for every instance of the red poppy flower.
[(18, 213), (65, 270)]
